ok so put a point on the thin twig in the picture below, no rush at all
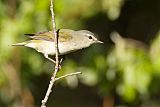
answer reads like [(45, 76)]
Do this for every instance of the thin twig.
[(52, 81), (67, 75), (57, 67)]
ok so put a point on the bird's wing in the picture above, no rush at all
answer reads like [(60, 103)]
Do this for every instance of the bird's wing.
[(48, 36), (63, 35)]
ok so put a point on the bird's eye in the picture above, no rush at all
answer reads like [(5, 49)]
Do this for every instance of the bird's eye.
[(90, 37)]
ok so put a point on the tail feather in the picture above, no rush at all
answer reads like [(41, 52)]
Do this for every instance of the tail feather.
[(29, 34), (19, 44)]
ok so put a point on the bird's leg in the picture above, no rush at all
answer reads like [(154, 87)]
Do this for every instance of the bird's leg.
[(60, 62), (62, 58), (46, 56)]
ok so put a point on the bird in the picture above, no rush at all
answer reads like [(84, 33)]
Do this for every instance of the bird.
[(68, 41)]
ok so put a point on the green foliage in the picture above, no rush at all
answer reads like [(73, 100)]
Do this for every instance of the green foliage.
[(155, 53), (134, 63), (112, 8)]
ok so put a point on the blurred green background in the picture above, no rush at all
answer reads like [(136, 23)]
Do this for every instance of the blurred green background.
[(123, 72)]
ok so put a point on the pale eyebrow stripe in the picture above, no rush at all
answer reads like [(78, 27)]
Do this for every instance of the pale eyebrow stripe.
[(89, 35)]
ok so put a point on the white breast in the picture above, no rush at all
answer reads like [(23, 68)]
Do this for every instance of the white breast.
[(48, 47)]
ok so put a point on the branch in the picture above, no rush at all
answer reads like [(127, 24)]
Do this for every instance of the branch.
[(52, 81), (57, 66), (67, 75)]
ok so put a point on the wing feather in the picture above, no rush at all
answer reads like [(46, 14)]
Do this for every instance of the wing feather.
[(63, 35)]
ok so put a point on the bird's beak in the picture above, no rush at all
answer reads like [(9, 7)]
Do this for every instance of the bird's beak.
[(99, 41)]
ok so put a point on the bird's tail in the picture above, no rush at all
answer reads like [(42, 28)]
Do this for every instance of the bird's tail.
[(19, 44)]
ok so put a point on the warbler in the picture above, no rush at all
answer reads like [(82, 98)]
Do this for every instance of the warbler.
[(68, 41)]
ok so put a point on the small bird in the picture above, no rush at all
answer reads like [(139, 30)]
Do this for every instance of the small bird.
[(68, 41)]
